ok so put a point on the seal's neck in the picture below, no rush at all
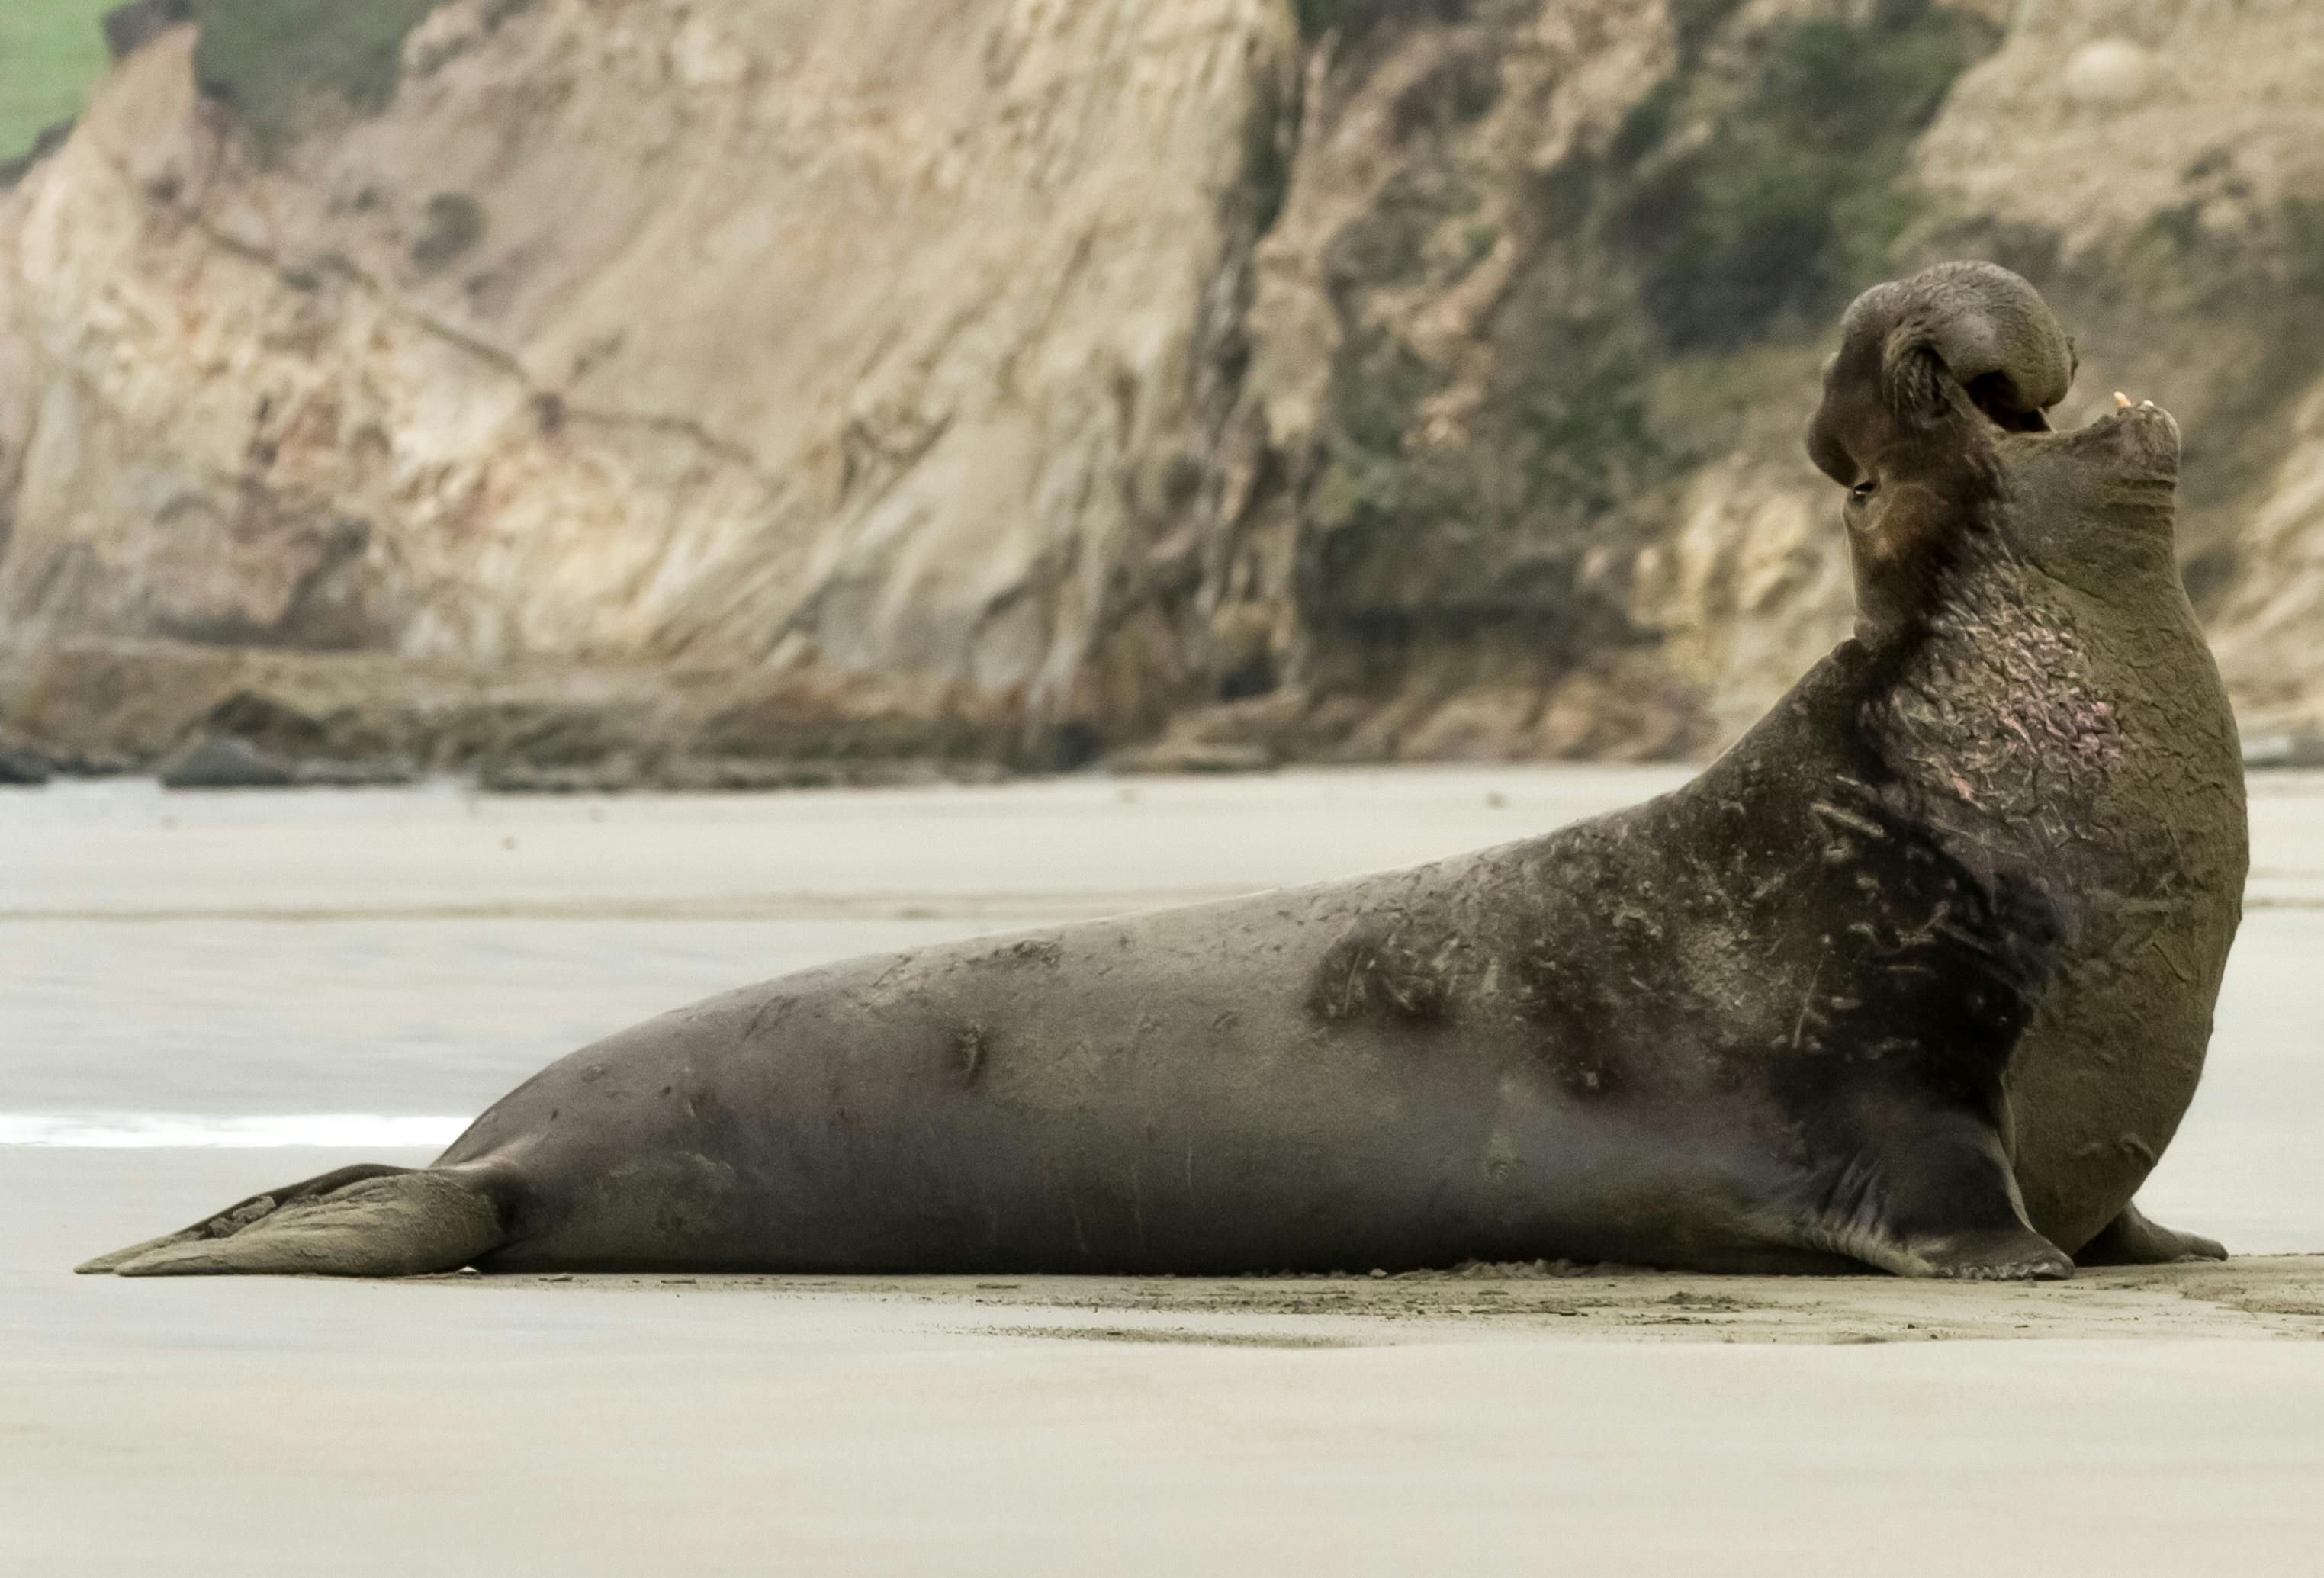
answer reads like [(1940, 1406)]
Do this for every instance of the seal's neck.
[(1993, 703)]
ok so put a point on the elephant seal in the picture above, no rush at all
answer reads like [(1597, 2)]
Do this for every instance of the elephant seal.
[(2142, 825), (1934, 946)]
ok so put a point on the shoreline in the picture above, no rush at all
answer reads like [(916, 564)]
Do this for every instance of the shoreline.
[(1042, 1428), (2259, 1298)]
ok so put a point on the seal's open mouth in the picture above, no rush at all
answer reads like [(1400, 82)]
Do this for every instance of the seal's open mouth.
[(1996, 394), (1995, 398), (2133, 443)]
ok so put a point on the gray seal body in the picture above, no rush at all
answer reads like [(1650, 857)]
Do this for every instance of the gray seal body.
[(1917, 976)]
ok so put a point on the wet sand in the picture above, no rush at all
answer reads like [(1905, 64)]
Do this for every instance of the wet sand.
[(1491, 1423), (318, 956)]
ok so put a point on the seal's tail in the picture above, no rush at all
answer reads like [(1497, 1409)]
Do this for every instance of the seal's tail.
[(368, 1221)]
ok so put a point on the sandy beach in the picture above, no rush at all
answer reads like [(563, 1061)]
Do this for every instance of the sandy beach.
[(204, 995)]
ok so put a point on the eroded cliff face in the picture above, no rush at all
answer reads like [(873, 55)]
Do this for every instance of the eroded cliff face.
[(633, 387), (854, 346)]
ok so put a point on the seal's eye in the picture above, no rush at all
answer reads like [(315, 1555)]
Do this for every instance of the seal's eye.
[(1861, 493)]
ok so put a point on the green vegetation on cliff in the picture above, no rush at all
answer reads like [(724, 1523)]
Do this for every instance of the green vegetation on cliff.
[(1742, 210), (263, 56), (1739, 203), (51, 50), (1352, 19)]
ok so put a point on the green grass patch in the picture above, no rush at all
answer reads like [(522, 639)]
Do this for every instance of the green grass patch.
[(50, 52), (262, 57)]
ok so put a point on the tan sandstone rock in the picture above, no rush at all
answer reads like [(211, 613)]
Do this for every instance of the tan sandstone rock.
[(860, 340)]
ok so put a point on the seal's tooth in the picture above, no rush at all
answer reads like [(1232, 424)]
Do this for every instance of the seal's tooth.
[(2121, 400)]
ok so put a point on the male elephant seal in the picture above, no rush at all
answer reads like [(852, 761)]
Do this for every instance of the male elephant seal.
[(1917, 976)]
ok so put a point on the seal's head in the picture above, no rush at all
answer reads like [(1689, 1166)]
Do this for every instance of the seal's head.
[(1934, 418)]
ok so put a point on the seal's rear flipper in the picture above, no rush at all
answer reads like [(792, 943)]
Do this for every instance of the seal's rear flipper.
[(242, 1213), (359, 1222), (2131, 1239)]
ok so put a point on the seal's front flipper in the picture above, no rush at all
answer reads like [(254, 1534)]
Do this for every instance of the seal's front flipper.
[(2131, 1239), (1935, 1199), (2013, 1254), (366, 1222)]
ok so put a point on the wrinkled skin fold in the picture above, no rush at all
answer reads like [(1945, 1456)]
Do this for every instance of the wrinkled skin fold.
[(1918, 976)]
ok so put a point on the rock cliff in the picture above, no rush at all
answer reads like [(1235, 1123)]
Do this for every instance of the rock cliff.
[(603, 389)]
